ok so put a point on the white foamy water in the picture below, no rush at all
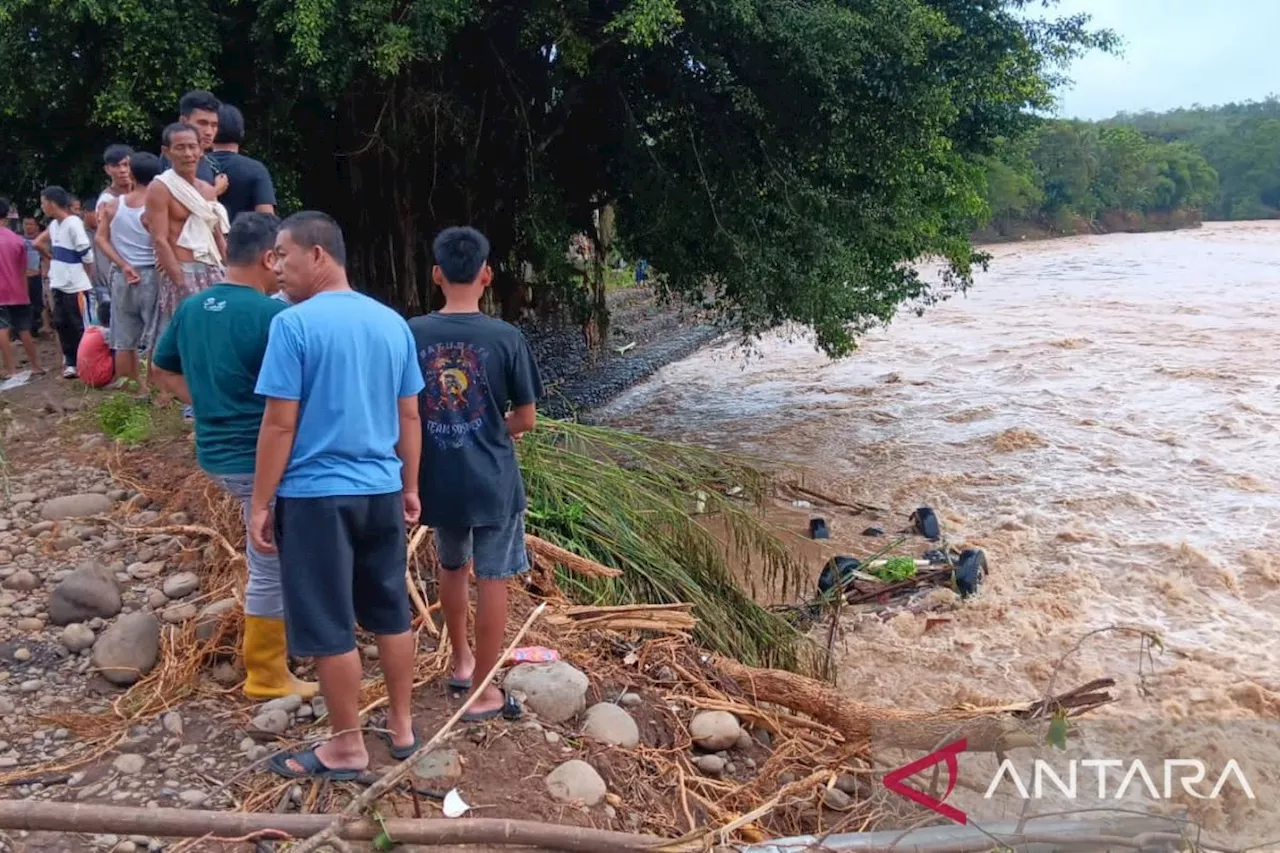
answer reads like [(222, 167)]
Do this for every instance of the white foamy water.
[(1102, 416)]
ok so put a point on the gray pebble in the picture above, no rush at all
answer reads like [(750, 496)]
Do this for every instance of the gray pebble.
[(193, 798), (834, 798), (712, 765), (129, 764)]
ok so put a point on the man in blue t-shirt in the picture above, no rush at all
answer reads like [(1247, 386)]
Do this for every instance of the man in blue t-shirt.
[(338, 451)]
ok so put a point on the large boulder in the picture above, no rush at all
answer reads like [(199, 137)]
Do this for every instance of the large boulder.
[(608, 723), (576, 782), (128, 649), (87, 592), (556, 691), (75, 506), (715, 730)]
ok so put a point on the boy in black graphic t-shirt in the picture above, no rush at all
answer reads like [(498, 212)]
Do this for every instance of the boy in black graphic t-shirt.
[(481, 389)]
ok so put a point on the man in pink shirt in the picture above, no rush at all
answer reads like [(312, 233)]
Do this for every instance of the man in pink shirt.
[(15, 302)]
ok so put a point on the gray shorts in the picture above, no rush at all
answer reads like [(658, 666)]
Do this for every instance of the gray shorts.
[(498, 551), (135, 310)]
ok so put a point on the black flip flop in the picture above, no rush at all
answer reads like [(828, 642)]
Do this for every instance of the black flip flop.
[(458, 683), (399, 753), (510, 710), (312, 765)]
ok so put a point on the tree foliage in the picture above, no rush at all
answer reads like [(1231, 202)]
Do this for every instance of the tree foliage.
[(1240, 141), (1223, 162), (787, 158)]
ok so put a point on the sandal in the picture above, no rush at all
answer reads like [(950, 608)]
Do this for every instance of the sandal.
[(313, 767), (510, 710), (399, 753), (458, 683)]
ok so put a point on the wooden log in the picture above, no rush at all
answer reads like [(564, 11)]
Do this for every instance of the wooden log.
[(986, 729), (857, 505), (34, 816), (568, 559)]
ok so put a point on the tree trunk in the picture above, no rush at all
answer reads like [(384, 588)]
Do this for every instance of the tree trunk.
[(185, 823)]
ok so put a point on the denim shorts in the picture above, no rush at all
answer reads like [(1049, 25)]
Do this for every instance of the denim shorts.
[(342, 562), (498, 551)]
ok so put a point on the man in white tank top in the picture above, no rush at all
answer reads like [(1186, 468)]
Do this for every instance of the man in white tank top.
[(124, 238)]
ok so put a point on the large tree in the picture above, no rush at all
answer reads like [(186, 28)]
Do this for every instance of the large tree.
[(788, 158)]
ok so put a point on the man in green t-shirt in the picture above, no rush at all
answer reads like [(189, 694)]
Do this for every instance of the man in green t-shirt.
[(209, 357)]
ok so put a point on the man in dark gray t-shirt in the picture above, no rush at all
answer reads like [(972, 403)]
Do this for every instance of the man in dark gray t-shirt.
[(480, 393)]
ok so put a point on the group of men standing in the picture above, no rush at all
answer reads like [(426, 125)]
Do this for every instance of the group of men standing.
[(155, 235), (337, 424), (333, 421)]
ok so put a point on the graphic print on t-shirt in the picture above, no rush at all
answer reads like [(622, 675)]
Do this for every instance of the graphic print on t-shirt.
[(457, 388)]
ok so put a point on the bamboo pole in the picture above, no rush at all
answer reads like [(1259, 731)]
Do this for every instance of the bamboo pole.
[(34, 816)]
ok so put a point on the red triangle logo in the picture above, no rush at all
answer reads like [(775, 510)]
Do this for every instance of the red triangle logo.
[(894, 781)]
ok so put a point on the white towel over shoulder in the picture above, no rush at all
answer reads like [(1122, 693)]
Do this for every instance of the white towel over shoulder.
[(197, 233)]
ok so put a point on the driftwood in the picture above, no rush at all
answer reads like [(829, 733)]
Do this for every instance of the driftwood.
[(827, 499), (188, 823), (571, 561), (987, 729), (659, 618)]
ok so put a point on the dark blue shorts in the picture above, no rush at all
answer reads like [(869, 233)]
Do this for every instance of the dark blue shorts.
[(342, 562)]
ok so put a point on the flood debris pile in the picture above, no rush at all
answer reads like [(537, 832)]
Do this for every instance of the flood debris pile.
[(887, 579), (641, 726)]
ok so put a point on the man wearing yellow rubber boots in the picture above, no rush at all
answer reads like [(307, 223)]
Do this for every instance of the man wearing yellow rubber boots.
[(209, 357)]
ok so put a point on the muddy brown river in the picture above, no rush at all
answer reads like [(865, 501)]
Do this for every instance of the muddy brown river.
[(1102, 416)]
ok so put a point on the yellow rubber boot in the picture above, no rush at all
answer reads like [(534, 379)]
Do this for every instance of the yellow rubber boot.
[(266, 662)]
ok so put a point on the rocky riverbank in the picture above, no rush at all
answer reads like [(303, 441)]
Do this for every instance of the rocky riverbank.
[(644, 336), (106, 577)]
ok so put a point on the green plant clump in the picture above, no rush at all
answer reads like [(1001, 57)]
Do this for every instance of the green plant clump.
[(628, 501), (895, 569), (126, 420)]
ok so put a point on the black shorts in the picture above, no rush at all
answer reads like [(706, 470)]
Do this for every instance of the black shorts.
[(16, 317), (342, 562)]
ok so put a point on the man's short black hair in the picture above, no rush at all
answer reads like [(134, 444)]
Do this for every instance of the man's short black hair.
[(310, 228), (144, 166), (460, 253), (4, 208), (230, 126), (115, 153), (198, 100), (57, 196), (251, 234), (166, 138)]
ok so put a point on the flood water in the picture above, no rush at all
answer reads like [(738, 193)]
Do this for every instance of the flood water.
[(1102, 416)]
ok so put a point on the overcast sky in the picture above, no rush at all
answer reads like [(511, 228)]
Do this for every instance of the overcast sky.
[(1176, 53)]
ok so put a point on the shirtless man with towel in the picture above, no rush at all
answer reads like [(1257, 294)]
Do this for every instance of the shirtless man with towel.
[(186, 222)]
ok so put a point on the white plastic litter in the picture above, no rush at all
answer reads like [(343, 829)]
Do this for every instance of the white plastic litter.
[(454, 805), (17, 380)]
